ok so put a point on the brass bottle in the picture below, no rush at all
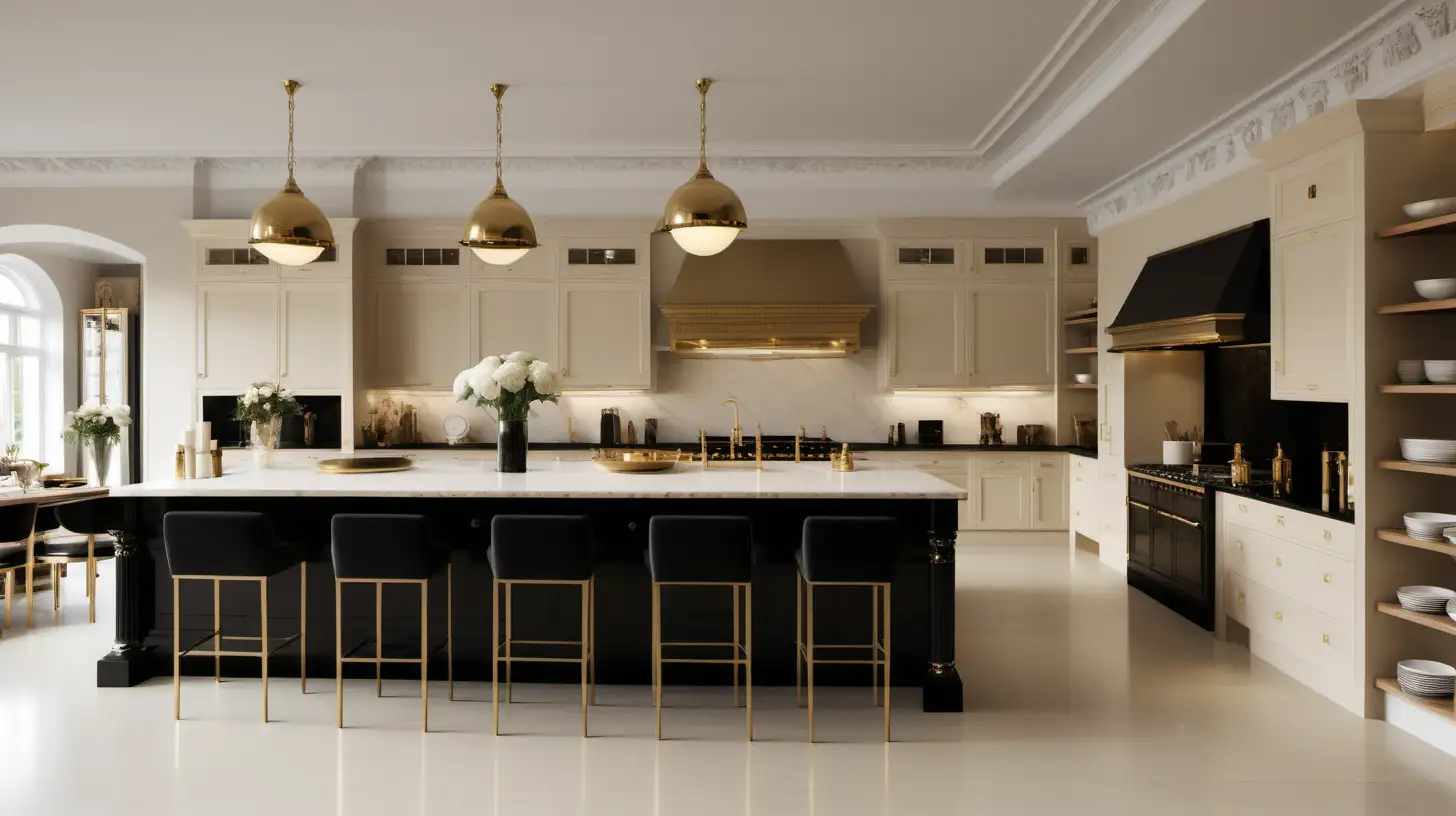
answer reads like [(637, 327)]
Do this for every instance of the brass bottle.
[(1239, 467), (1283, 471)]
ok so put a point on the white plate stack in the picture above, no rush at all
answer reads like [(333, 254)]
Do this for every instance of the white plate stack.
[(1428, 526), (1426, 678), (1411, 372), (1431, 600), (1431, 451), (1451, 609)]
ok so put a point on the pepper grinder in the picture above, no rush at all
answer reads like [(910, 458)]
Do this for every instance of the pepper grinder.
[(1239, 467), (1283, 472)]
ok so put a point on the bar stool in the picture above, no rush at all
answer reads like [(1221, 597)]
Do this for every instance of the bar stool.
[(542, 550), (222, 546), (17, 529), (85, 539), (703, 551), (845, 551), (383, 549)]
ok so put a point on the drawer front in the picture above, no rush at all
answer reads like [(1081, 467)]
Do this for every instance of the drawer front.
[(1321, 581), (1314, 191), (1084, 519), (1049, 464), (1003, 462), (1236, 597), (1316, 637), (1335, 537), (1256, 556)]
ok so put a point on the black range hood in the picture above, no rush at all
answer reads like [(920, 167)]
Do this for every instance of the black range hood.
[(1212, 292)]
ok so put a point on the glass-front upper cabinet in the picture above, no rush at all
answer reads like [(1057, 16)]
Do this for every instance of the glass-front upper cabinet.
[(106, 377)]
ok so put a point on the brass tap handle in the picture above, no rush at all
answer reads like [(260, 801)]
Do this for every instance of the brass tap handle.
[(798, 437), (703, 444), (824, 433), (758, 446)]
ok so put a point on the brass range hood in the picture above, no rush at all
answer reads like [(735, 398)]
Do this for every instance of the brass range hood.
[(767, 299)]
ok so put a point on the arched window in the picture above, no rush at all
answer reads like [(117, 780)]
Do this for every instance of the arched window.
[(22, 368)]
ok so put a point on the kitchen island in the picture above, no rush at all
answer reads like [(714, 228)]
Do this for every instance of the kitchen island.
[(460, 497)]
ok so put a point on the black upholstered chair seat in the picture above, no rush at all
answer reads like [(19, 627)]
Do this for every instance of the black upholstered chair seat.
[(225, 543), (378, 546), (12, 555), (848, 549), (16, 522), (541, 548), (73, 545), (700, 549)]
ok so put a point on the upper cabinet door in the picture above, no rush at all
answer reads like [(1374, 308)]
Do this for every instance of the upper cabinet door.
[(1011, 330), (605, 335), (538, 264), (1311, 324), (237, 334), (922, 258), (1315, 190), (1012, 259), (316, 334), (604, 258), (421, 333), (220, 259), (422, 259), (515, 316), (1079, 259), (925, 334)]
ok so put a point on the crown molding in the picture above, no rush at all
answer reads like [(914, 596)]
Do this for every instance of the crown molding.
[(80, 171), (248, 173), (1400, 45)]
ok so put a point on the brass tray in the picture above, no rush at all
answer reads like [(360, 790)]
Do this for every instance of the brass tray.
[(636, 460), (366, 464)]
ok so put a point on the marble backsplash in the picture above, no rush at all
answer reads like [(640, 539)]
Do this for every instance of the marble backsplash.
[(843, 395)]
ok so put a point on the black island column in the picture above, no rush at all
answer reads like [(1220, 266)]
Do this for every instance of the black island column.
[(129, 661), (943, 689)]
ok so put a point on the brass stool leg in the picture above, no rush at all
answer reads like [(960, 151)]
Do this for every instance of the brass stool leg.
[(509, 635), (585, 645), (176, 650), (450, 631), (592, 601), (748, 653), (657, 653), (798, 639), (217, 629), (495, 651), (56, 588), (874, 644), (339, 648), (91, 577), (303, 624), (425, 655), (9, 594), (887, 662), (30, 581), (263, 597), (737, 633), (378, 639), (809, 655)]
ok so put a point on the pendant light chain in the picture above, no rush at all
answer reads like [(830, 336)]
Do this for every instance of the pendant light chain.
[(703, 126), (290, 134), (498, 139)]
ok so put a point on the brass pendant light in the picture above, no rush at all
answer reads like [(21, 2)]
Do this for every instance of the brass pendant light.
[(704, 215), (499, 231), (288, 228)]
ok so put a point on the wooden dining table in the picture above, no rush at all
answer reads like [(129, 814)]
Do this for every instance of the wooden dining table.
[(50, 496)]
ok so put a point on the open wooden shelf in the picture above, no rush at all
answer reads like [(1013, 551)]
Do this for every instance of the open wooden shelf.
[(1080, 321), (1081, 316), (1429, 226), (1417, 467), (1430, 388), (1441, 623), (1089, 386), (1436, 705), (1086, 350), (1449, 304), (1399, 537)]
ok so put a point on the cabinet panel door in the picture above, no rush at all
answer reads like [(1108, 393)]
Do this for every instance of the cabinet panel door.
[(316, 334), (1162, 545), (1011, 336), (1188, 555), (1002, 501), (1310, 319), (1140, 535), (605, 335), (237, 327), (421, 333), (1048, 500), (926, 335), (515, 316)]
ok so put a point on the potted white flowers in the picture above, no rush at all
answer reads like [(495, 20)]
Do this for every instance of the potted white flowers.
[(263, 406), (98, 429), (508, 384)]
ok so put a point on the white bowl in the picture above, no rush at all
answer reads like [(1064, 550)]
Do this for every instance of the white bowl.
[(1436, 288), (1429, 523), (1430, 208), (1426, 668), (1440, 371), (1427, 593), (1086, 379), (1428, 450)]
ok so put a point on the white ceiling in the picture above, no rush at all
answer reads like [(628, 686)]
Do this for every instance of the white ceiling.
[(1030, 85)]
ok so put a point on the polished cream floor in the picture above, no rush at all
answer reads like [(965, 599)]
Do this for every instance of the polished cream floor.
[(1081, 698)]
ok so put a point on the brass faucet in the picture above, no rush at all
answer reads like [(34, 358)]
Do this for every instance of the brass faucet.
[(735, 437)]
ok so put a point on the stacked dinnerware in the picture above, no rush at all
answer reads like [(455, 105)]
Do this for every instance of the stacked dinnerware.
[(1433, 451), (1426, 678), (1428, 599), (1411, 372), (1441, 372), (1451, 609), (1428, 526)]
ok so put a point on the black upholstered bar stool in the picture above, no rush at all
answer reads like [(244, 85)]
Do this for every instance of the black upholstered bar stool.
[(846, 551), (221, 546), (17, 529), (85, 539), (541, 550), (383, 549), (703, 551)]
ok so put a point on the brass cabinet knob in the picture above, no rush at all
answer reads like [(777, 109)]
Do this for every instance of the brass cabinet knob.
[(1243, 508), (1241, 546), (1279, 521), (1312, 387), (1313, 191), (1278, 561), (1279, 616), (1327, 535), (1329, 579), (1241, 596), (1325, 639)]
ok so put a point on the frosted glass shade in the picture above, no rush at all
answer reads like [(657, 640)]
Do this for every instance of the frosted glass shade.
[(289, 254), (500, 257), (704, 240)]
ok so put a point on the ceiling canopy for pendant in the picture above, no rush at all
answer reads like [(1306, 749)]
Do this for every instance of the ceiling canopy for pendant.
[(288, 228), (499, 230), (704, 216)]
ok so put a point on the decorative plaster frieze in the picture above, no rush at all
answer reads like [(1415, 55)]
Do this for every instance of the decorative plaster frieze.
[(126, 171), (687, 164), (1412, 42)]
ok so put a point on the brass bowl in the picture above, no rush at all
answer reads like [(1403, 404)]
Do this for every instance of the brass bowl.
[(636, 460), (366, 464)]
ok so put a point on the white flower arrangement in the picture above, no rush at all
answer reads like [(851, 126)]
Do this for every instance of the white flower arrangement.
[(509, 384), (96, 423), (263, 401)]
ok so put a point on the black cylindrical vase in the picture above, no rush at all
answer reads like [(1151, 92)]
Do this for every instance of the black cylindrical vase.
[(510, 449)]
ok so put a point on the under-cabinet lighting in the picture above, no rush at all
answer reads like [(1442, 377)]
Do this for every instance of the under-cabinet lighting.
[(972, 392)]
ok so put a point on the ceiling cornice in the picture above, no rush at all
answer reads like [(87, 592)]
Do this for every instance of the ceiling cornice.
[(37, 171), (1402, 44)]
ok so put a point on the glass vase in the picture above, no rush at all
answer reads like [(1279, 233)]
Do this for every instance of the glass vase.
[(510, 451), (264, 440), (100, 451)]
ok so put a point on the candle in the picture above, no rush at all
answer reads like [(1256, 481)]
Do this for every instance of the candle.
[(203, 467), (189, 461), (202, 436)]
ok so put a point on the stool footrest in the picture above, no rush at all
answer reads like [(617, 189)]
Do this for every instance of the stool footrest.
[(216, 636)]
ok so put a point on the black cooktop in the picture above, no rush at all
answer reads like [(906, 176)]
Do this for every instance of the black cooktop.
[(1216, 476)]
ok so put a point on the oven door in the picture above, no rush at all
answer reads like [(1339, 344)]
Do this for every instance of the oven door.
[(1139, 533), (1186, 542)]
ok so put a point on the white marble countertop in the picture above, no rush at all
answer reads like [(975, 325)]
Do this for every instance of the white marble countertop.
[(475, 478)]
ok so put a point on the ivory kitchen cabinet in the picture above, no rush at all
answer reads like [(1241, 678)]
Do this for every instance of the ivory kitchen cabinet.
[(1010, 336), (926, 334), (1310, 321), (237, 333), (1001, 497), (1049, 491), (512, 315), (605, 336), (420, 332), (315, 320)]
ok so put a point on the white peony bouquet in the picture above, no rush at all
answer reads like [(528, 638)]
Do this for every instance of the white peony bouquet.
[(263, 401), (509, 384), (91, 423)]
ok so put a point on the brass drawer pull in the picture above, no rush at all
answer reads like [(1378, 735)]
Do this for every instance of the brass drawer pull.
[(1278, 561), (1189, 522), (1329, 579), (1241, 546), (1279, 616), (1279, 521), (1313, 191), (1241, 596), (1326, 639), (1139, 505), (1327, 535)]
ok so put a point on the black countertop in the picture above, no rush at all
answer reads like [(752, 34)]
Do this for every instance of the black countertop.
[(688, 446), (1260, 492)]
